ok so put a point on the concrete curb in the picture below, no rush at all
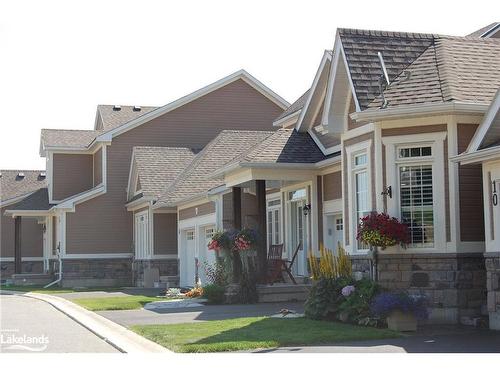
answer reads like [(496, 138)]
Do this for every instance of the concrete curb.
[(116, 335)]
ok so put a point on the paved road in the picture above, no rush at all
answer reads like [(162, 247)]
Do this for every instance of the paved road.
[(49, 330), (197, 314), (460, 341)]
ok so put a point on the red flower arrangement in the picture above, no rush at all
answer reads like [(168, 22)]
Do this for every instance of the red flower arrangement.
[(379, 229), (244, 240), (220, 240)]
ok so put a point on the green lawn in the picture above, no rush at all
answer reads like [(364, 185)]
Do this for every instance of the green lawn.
[(253, 333), (116, 303), (55, 289)]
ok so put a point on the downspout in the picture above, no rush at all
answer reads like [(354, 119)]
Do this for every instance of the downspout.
[(60, 273)]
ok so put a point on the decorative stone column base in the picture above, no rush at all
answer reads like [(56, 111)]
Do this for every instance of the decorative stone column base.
[(492, 261), (31, 266), (454, 284), (97, 272), (169, 271)]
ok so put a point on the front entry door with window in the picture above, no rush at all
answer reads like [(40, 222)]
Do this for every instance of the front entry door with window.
[(141, 235), (334, 232), (299, 233), (190, 267)]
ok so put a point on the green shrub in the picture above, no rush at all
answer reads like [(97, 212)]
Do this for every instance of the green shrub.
[(355, 308), (325, 297), (342, 299), (214, 293)]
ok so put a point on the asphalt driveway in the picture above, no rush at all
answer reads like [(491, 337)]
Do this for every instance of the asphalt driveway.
[(30, 325)]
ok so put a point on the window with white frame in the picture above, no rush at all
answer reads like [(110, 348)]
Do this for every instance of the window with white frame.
[(274, 222), (339, 224), (416, 196), (190, 235), (209, 233), (361, 189)]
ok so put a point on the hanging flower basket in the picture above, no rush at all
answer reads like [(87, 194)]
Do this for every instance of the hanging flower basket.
[(244, 242), (381, 230)]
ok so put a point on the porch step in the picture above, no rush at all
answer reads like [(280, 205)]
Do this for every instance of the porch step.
[(20, 279), (283, 292)]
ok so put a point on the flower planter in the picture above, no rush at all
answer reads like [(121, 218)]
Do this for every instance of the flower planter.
[(403, 322)]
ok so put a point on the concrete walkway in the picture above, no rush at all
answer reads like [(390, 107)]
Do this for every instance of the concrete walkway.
[(197, 314), (116, 335)]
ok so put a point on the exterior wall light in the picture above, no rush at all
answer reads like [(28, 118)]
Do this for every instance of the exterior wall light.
[(306, 209)]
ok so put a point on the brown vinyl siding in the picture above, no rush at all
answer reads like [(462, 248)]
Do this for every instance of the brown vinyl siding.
[(98, 167), (31, 237), (54, 235), (72, 174), (165, 233), (195, 211), (332, 186), (347, 143), (470, 193), (409, 130), (102, 224)]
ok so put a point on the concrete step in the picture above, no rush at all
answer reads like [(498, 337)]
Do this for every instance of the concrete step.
[(20, 279), (283, 292)]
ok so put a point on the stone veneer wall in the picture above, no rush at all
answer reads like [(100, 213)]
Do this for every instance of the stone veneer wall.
[(455, 284), (97, 272), (493, 285), (167, 267), (7, 268)]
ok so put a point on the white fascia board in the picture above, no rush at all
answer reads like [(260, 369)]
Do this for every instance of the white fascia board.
[(27, 213), (288, 120), (338, 55), (15, 199), (219, 190), (139, 203), (477, 157), (481, 131), (326, 56), (417, 110), (69, 203), (491, 31), (241, 74), (131, 175)]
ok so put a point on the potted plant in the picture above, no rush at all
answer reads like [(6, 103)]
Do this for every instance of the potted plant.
[(401, 310), (379, 230), (244, 243)]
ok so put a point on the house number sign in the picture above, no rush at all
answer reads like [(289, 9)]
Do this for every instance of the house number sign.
[(494, 194)]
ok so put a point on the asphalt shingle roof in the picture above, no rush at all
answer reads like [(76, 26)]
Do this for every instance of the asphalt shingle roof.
[(36, 201), (452, 69), (68, 137), (285, 146), (112, 119), (361, 49), (159, 166), (13, 186), (295, 106), (193, 181)]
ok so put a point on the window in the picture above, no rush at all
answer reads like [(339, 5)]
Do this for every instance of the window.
[(190, 235), (415, 152), (416, 202), (339, 224), (361, 190), (209, 232), (273, 222)]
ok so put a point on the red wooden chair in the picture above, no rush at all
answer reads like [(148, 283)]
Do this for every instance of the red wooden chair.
[(275, 264)]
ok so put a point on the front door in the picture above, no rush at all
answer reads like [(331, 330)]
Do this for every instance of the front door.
[(298, 231), (334, 232), (141, 235), (191, 260)]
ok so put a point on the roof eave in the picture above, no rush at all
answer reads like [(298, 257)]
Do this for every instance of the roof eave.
[(477, 157), (413, 110)]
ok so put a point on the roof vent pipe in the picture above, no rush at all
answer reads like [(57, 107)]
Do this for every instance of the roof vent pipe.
[(117, 108), (383, 81), (136, 108)]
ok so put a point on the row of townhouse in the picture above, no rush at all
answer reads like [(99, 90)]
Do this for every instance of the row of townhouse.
[(402, 123)]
